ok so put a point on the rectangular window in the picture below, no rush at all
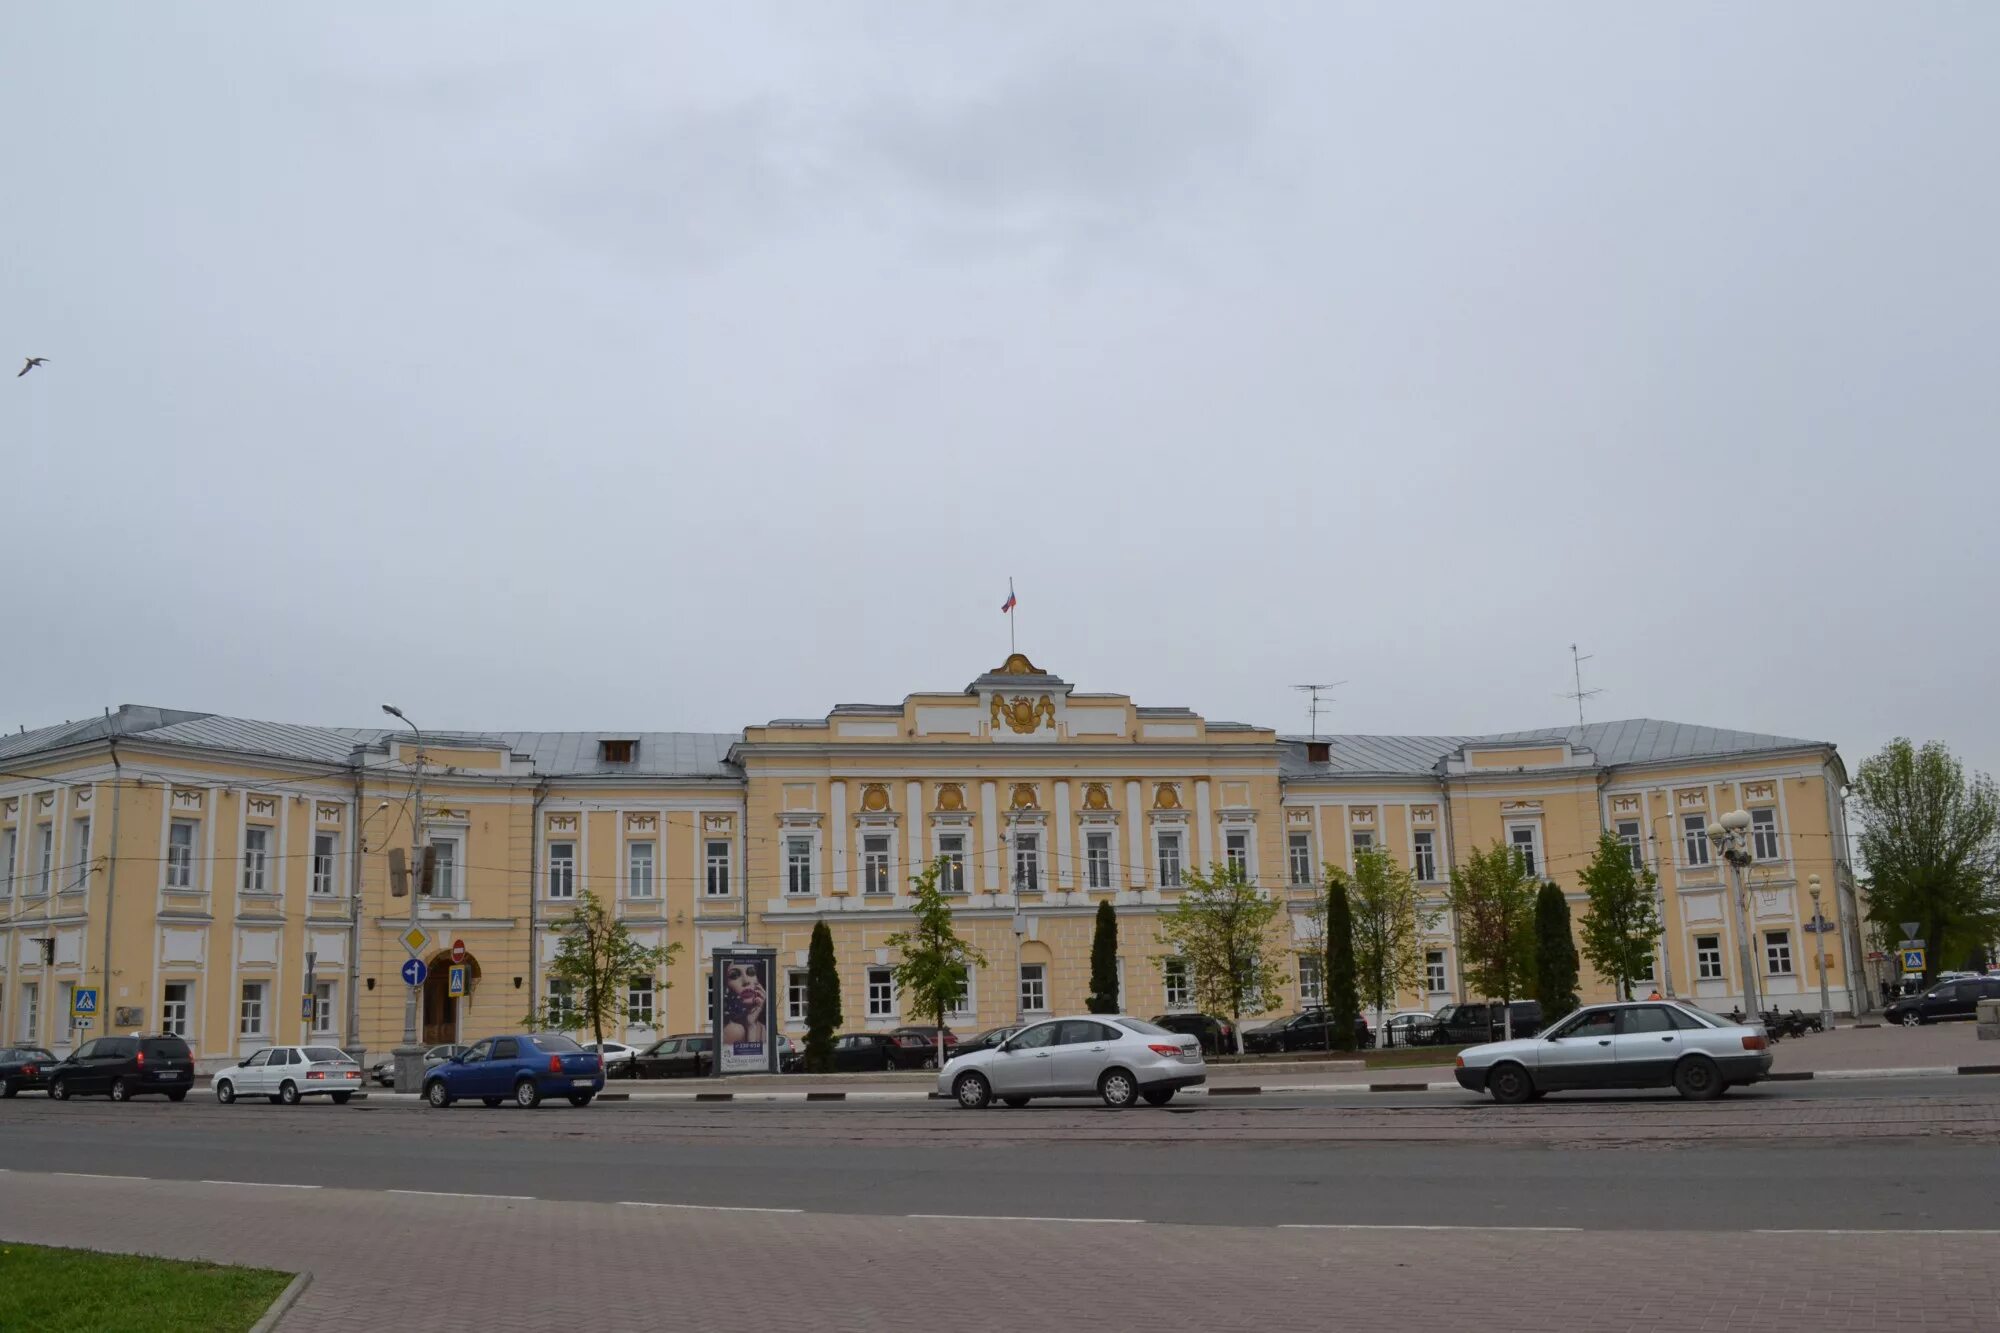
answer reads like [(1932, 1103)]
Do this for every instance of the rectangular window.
[(250, 1010), (1299, 857), (1434, 973), (1635, 844), (9, 848), (325, 847), (716, 862), (1708, 957), (1170, 860), (180, 854), (795, 995), (323, 1008), (1645, 972), (798, 865), (561, 1003), (1310, 991), (1363, 841), (45, 839), (1027, 863), (174, 1009), (881, 992), (1180, 995), (1236, 852), (951, 849), (639, 996), (444, 884), (1522, 839), (1694, 833), (1097, 860), (256, 855), (562, 870), (875, 864), (66, 1005), (1423, 857), (31, 1013), (967, 1003), (1034, 989), (80, 857), (1764, 834), (708, 1020), (1778, 952), (639, 869)]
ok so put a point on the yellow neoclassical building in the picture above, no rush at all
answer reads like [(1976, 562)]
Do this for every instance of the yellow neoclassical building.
[(187, 866)]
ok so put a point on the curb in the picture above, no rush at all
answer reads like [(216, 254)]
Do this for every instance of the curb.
[(1234, 1092), (286, 1299)]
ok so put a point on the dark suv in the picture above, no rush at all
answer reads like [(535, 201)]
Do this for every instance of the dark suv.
[(124, 1067), (1473, 1024), (1216, 1035), (1958, 998), (1307, 1030)]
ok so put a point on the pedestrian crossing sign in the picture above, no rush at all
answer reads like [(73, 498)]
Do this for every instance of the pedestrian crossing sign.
[(1913, 960), (457, 979), (83, 1002)]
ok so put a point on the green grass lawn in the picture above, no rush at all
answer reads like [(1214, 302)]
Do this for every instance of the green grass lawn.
[(81, 1291), (1405, 1057)]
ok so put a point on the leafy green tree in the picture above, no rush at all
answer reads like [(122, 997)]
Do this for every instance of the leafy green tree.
[(1221, 929), (1623, 927), (1930, 836), (823, 1016), (1494, 897), (1104, 961), (1555, 954), (1388, 931), (597, 961), (932, 973), (1342, 1004)]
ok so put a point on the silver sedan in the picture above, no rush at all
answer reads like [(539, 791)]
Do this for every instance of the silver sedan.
[(1120, 1059), (1646, 1045)]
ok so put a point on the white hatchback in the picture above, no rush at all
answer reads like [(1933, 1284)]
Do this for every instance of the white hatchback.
[(284, 1074), (1113, 1056)]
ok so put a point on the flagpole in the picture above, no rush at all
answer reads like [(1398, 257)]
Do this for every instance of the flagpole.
[(1012, 608)]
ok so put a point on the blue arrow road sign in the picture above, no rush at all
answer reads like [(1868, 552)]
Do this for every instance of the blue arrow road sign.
[(83, 1001), (414, 971)]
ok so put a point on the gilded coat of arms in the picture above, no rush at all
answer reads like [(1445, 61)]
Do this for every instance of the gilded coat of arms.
[(1022, 714)]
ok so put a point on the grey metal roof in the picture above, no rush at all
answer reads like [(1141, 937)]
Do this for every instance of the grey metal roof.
[(659, 754), (1630, 741)]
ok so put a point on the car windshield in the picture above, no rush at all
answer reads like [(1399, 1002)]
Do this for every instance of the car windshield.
[(1142, 1027), (557, 1044)]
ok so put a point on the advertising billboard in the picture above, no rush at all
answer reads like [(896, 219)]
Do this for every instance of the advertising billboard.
[(745, 1024)]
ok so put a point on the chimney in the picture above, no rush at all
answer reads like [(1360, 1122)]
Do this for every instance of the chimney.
[(1319, 752)]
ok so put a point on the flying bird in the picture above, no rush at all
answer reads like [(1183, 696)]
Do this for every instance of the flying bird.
[(33, 361)]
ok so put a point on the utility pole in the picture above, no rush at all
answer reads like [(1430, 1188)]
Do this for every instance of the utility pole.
[(1313, 692), (1728, 836), (1819, 945), (1579, 694), (410, 1055)]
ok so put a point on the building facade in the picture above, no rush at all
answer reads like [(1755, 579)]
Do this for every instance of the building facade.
[(228, 880)]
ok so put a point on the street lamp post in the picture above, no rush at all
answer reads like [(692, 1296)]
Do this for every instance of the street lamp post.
[(1819, 946), (1728, 836), (410, 1055)]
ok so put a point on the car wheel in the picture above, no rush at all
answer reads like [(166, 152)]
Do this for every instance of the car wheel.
[(340, 1098), (1697, 1079), (526, 1095), (225, 1092), (491, 1101), (118, 1090), (58, 1090), (7, 1088), (580, 1098), (178, 1095), (436, 1094), (288, 1093), (1118, 1089), (1510, 1084), (1016, 1102), (1159, 1096), (972, 1090), (1913, 1019), (930, 1062)]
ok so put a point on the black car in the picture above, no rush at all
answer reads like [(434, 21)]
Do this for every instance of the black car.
[(1216, 1035), (23, 1067), (1475, 1024), (124, 1067), (1307, 1030), (690, 1055), (985, 1041), (1947, 1000), (929, 1036), (879, 1052)]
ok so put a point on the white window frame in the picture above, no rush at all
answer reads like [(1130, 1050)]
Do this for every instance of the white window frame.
[(321, 883), (1694, 841), (1635, 841), (253, 1008), (256, 858), (559, 1000), (1708, 958), (880, 993), (1778, 953), (180, 857), (11, 840), (797, 991), (952, 880), (31, 1013), (176, 1014), (877, 877), (65, 1010), (561, 871), (1437, 972), (1312, 980), (717, 860), (1027, 862), (642, 869), (1170, 854), (45, 874), (1178, 985), (1236, 850), (1034, 994), (1532, 846), (1299, 858), (326, 997), (80, 857), (1097, 859), (968, 1000), (1359, 841), (642, 1001), (445, 883), (1423, 856), (1651, 972), (1765, 844), (798, 865)]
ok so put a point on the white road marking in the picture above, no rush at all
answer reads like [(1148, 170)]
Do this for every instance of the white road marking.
[(704, 1207), (982, 1217), (92, 1175), (1406, 1226), (453, 1194), (261, 1184)]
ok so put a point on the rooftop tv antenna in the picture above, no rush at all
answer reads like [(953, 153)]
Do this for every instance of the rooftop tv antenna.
[(1313, 692), (1576, 661)]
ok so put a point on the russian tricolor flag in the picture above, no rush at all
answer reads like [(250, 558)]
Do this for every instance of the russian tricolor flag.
[(1008, 605)]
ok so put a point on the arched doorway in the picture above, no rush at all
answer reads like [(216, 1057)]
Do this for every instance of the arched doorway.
[(442, 1013)]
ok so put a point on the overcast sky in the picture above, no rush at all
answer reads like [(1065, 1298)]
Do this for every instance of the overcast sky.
[(684, 366)]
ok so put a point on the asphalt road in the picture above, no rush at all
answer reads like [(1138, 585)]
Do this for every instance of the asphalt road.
[(1853, 1156)]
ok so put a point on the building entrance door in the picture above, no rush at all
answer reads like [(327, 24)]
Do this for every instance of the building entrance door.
[(442, 1012)]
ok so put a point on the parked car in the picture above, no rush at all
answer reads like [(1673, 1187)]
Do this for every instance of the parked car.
[(1643, 1045), (124, 1067), (616, 1054), (526, 1066), (1409, 1027), (985, 1041), (287, 1073), (879, 1052), (1306, 1030), (1957, 998), (24, 1067), (689, 1055), (1123, 1060), (930, 1037), (383, 1071), (791, 1053), (1466, 1024), (1216, 1035)]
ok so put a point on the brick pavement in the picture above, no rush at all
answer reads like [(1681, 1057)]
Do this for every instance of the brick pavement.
[(604, 1266)]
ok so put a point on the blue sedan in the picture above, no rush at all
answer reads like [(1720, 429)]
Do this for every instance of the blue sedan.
[(524, 1066)]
